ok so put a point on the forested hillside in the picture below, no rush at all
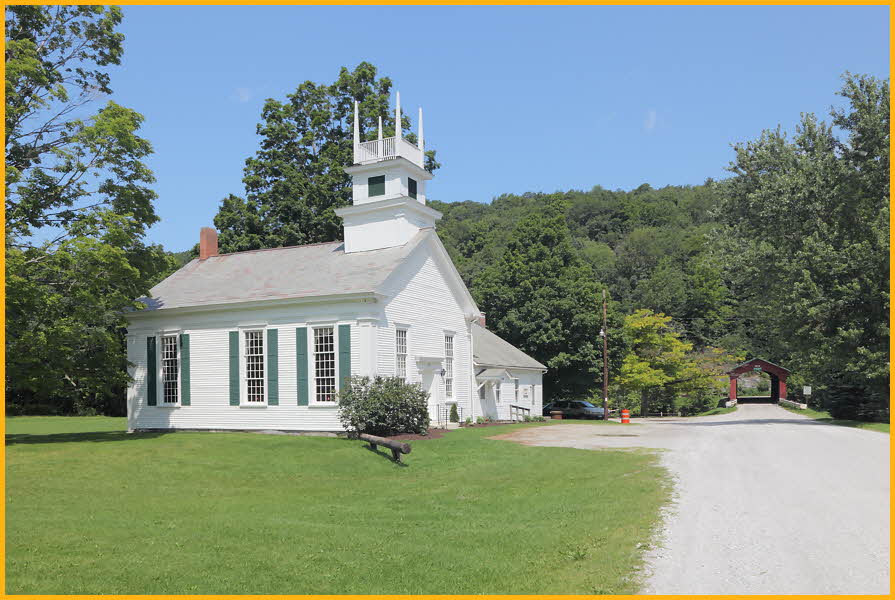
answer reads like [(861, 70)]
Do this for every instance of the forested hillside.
[(787, 260), (647, 246)]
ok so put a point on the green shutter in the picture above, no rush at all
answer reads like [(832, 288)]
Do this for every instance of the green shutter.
[(301, 361), (151, 372), (376, 186), (234, 368), (273, 368), (184, 369), (345, 355)]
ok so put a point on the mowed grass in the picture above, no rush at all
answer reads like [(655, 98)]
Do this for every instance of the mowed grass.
[(824, 416), (94, 510)]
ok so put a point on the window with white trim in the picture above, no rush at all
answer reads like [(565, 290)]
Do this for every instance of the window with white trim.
[(516, 389), (324, 364), (254, 366), (170, 370), (401, 353), (448, 365)]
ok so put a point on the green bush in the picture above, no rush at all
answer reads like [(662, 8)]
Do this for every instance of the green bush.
[(455, 416), (852, 398), (664, 401), (699, 401), (480, 420), (383, 406)]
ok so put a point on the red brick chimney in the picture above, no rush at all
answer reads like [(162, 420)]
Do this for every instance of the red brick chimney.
[(482, 320), (208, 243)]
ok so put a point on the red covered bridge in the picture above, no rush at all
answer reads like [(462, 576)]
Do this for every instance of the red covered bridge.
[(777, 374)]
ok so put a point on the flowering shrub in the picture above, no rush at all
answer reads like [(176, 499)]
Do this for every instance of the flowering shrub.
[(383, 406)]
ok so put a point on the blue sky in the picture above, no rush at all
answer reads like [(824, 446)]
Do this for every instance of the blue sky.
[(516, 99)]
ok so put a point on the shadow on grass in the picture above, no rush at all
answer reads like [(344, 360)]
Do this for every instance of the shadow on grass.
[(83, 436), (387, 455)]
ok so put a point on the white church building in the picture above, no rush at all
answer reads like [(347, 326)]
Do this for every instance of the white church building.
[(266, 339)]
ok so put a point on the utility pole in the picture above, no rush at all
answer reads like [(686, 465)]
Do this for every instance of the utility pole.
[(604, 334)]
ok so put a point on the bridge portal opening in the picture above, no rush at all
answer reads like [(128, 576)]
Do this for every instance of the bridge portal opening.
[(757, 366)]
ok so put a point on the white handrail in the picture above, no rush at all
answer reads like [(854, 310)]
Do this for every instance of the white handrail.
[(385, 149)]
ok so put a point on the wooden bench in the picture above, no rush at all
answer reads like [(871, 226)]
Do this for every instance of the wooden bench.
[(397, 448)]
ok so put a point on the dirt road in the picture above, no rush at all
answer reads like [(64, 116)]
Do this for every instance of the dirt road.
[(767, 502)]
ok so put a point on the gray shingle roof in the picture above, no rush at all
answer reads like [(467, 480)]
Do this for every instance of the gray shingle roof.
[(491, 350), (278, 273), (492, 373)]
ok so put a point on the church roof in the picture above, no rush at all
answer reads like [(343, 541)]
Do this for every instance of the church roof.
[(278, 273), (491, 350)]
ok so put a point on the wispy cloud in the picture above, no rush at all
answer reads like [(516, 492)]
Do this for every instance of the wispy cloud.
[(649, 123), (242, 95), (606, 119)]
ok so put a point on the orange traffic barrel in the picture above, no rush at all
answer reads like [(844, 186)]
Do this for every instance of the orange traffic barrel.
[(626, 416)]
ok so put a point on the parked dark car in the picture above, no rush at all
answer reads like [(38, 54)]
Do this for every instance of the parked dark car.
[(574, 409)]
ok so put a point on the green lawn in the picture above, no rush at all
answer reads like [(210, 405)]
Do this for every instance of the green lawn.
[(91, 509), (822, 415)]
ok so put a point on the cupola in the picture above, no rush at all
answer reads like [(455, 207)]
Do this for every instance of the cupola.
[(388, 189)]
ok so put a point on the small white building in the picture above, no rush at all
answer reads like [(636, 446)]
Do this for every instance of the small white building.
[(265, 339)]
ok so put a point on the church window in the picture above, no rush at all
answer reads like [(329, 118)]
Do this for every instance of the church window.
[(401, 353), (376, 186), (448, 365)]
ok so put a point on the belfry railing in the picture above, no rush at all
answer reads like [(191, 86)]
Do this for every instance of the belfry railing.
[(385, 149)]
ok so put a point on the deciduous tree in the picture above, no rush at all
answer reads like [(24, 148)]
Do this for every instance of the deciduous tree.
[(295, 180), (806, 246), (543, 299), (78, 202)]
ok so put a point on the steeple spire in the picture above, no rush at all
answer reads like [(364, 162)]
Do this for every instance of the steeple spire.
[(388, 188), (398, 127), (356, 128), (388, 148), (420, 126)]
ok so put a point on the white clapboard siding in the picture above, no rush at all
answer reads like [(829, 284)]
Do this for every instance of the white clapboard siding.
[(506, 399), (418, 297), (422, 301), (530, 380), (209, 374)]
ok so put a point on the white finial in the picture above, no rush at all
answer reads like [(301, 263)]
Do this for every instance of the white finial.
[(356, 128), (398, 127), (422, 143), (380, 127)]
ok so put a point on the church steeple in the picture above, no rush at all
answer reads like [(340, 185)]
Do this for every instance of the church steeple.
[(388, 188)]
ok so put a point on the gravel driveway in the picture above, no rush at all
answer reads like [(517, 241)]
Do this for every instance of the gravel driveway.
[(767, 502)]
